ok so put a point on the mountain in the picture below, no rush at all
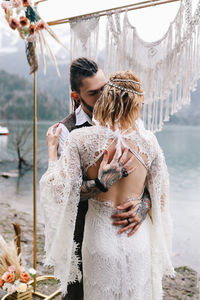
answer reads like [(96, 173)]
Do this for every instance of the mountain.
[(189, 114), (13, 60), (16, 100), (54, 88)]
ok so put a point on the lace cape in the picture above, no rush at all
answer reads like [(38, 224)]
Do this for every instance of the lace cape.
[(60, 195)]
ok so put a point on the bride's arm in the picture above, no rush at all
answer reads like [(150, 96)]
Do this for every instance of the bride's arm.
[(59, 198)]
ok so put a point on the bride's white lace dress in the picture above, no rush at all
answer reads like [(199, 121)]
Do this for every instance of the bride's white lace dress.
[(115, 267)]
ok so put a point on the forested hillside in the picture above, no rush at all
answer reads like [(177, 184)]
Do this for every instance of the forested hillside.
[(16, 100)]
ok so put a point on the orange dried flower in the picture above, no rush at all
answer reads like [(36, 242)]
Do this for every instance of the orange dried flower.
[(24, 277), (10, 277), (40, 25), (1, 282), (26, 3), (23, 21), (14, 23), (31, 28)]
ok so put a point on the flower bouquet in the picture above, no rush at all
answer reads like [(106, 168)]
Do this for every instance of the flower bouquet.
[(13, 277), (22, 16)]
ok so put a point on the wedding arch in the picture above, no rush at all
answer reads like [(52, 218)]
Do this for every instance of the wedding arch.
[(169, 67)]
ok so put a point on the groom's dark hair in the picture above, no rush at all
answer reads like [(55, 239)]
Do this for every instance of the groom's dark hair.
[(80, 68)]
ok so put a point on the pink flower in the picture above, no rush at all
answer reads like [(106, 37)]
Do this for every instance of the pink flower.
[(5, 5), (22, 269), (14, 23), (11, 268), (16, 3), (40, 25)]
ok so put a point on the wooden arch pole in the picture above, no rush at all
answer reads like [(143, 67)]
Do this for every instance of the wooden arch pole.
[(45, 277), (35, 179)]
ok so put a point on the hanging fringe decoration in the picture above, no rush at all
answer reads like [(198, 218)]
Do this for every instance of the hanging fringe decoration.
[(23, 17), (32, 56), (169, 68), (84, 37)]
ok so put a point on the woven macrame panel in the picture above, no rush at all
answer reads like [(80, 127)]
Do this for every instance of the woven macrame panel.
[(168, 68)]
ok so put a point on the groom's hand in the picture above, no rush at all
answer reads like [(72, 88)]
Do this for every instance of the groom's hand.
[(109, 173), (134, 215)]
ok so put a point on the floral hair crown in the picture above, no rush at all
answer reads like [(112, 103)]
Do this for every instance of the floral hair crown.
[(110, 82)]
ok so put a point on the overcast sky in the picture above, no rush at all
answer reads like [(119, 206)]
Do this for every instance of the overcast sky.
[(151, 23)]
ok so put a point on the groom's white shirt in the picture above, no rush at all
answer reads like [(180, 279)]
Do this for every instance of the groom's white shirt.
[(81, 118)]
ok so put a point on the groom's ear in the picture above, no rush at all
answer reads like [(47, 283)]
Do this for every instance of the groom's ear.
[(75, 96)]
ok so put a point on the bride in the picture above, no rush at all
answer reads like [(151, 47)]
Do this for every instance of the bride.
[(115, 267)]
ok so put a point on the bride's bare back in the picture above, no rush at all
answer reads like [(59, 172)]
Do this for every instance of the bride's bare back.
[(130, 186)]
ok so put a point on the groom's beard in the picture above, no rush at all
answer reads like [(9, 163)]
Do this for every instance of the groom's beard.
[(90, 108)]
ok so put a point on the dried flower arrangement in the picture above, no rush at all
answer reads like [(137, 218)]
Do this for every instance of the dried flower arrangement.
[(13, 277), (22, 16)]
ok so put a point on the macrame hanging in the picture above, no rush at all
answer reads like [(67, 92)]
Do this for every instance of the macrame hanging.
[(168, 68), (84, 37)]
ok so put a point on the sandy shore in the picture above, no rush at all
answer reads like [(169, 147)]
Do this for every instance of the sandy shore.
[(184, 286)]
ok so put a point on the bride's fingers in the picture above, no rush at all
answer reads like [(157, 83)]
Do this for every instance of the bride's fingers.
[(56, 125), (58, 131)]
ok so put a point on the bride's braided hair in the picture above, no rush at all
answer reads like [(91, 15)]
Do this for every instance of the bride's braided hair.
[(120, 101)]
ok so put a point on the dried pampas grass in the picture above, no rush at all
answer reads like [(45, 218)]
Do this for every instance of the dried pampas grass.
[(9, 256)]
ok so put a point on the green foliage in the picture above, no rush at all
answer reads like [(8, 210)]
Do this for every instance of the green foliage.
[(16, 99), (31, 14)]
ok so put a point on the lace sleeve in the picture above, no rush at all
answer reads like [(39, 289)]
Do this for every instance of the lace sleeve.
[(59, 197), (158, 187), (158, 176)]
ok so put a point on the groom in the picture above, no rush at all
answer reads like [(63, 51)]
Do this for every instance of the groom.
[(87, 81)]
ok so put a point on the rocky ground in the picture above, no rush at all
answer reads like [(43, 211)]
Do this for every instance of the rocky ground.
[(185, 286)]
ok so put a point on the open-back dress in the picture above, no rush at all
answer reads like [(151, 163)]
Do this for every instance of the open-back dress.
[(115, 267)]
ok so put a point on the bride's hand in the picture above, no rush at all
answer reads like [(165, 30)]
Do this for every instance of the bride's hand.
[(52, 139)]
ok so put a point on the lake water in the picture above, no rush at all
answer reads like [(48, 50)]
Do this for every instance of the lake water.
[(181, 145)]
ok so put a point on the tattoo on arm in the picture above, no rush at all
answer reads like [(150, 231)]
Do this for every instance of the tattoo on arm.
[(144, 206), (110, 176), (88, 189), (107, 178)]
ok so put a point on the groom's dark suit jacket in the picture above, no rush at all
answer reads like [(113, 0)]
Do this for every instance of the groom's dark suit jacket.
[(75, 290)]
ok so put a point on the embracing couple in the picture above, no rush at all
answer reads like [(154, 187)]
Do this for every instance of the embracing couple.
[(105, 193)]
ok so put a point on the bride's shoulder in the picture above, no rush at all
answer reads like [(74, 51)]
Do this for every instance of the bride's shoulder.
[(150, 137), (85, 133)]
